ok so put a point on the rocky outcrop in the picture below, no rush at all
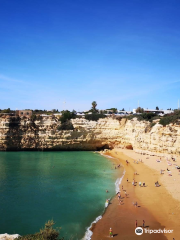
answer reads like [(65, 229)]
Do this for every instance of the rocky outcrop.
[(6, 236), (22, 134)]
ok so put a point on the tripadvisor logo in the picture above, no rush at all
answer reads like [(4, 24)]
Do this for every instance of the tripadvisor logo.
[(138, 231)]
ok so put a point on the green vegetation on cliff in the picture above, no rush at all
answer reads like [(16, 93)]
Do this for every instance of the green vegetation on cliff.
[(67, 115), (94, 116), (65, 120), (171, 118), (139, 110), (47, 233), (144, 117)]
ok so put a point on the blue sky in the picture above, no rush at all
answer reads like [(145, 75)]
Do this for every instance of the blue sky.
[(78, 51)]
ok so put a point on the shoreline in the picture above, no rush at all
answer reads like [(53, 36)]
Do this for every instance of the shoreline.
[(90, 229), (157, 205)]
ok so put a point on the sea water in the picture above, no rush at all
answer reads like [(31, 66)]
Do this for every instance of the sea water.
[(68, 187)]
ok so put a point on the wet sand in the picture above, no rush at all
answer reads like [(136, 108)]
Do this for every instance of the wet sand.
[(155, 204)]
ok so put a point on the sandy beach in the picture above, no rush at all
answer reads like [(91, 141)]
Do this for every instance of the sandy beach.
[(159, 206)]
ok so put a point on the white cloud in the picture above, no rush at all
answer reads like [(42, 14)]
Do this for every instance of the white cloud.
[(5, 78)]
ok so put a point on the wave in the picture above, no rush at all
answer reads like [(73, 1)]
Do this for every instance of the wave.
[(107, 156), (89, 233), (118, 182)]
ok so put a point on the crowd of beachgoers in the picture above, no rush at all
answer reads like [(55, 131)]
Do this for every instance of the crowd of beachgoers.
[(159, 176)]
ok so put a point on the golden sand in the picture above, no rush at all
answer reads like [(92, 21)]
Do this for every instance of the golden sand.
[(158, 206)]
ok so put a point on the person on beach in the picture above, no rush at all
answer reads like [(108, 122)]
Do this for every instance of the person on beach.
[(122, 187), (136, 224), (143, 223), (157, 184), (133, 183), (127, 179), (110, 232)]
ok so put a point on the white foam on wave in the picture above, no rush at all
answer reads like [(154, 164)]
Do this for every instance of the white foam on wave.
[(107, 156), (118, 182), (89, 233), (106, 204)]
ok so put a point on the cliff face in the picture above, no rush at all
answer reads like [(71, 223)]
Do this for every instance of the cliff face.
[(88, 135)]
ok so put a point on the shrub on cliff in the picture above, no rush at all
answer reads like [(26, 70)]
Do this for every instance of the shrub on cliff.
[(139, 110), (144, 117), (148, 116), (94, 116), (47, 233), (8, 110), (65, 120), (34, 117), (173, 118), (66, 126), (165, 120), (67, 115)]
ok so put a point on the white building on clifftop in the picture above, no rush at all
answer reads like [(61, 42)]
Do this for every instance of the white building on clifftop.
[(146, 110)]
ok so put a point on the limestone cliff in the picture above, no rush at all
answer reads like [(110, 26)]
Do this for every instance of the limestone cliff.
[(24, 134)]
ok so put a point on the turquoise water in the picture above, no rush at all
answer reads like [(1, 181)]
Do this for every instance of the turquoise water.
[(68, 187)]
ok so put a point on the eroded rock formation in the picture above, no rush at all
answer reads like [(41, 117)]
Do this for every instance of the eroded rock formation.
[(24, 134)]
